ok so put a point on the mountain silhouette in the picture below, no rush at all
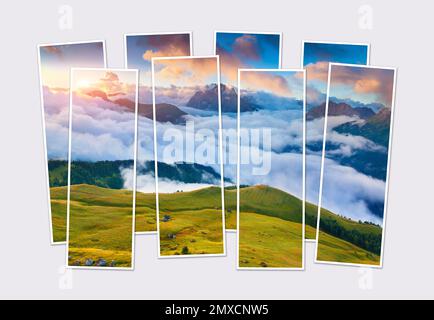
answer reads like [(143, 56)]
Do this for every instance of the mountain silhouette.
[(339, 109)]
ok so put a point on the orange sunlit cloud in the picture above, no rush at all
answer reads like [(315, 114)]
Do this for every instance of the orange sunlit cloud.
[(186, 71), (170, 51), (318, 71), (266, 81), (367, 85), (108, 83), (365, 80), (247, 47)]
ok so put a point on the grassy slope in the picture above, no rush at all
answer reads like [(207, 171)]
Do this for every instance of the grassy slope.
[(270, 228), (263, 204), (263, 247), (269, 242), (231, 217), (195, 220), (311, 214), (58, 213), (343, 251), (100, 224), (331, 249)]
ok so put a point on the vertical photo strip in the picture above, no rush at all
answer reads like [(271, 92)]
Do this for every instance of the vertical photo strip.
[(271, 106), (355, 165), (55, 61), (139, 51), (187, 146), (316, 57), (238, 49), (102, 167)]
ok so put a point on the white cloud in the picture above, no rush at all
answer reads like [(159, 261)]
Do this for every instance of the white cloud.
[(101, 131), (286, 173), (57, 139), (146, 183), (348, 192), (56, 113)]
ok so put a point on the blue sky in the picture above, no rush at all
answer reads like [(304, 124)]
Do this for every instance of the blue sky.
[(141, 49), (331, 52), (246, 50), (316, 60)]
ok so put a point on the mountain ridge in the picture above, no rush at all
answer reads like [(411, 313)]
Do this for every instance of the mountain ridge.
[(338, 109), (107, 174), (166, 112)]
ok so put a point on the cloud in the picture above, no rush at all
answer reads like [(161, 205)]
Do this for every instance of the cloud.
[(101, 129), (347, 143), (345, 191), (246, 46), (314, 97), (146, 183), (185, 72), (57, 136), (348, 192), (145, 139), (175, 95), (104, 84), (286, 173), (110, 77), (164, 45), (367, 85), (172, 138), (55, 99), (111, 84), (317, 71), (286, 126), (284, 155), (168, 52), (265, 81), (54, 50), (90, 147), (365, 81), (229, 64), (56, 113), (145, 94)]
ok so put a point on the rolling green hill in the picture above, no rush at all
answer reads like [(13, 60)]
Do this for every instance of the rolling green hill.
[(264, 200), (107, 174), (191, 223), (270, 228), (345, 241), (362, 234), (100, 227), (255, 202)]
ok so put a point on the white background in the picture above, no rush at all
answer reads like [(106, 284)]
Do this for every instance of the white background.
[(400, 37)]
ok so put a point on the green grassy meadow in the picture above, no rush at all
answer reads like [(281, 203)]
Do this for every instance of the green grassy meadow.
[(190, 223), (270, 229), (269, 242), (332, 249), (100, 225), (58, 212), (335, 249)]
